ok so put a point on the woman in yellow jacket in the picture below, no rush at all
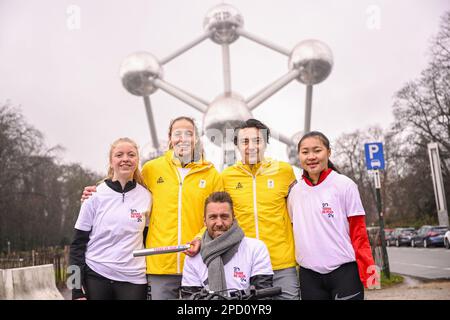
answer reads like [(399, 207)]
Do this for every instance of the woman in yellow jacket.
[(179, 181)]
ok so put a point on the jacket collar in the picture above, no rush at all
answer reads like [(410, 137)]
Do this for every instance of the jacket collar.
[(201, 163), (194, 166), (116, 186), (260, 167)]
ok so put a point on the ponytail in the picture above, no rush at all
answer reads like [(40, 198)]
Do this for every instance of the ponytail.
[(332, 166)]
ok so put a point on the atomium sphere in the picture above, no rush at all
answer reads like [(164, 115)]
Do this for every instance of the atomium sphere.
[(137, 72), (224, 19), (223, 115), (314, 59), (292, 148)]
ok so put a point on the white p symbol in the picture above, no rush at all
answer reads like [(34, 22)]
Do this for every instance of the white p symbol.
[(374, 17), (73, 17), (373, 148)]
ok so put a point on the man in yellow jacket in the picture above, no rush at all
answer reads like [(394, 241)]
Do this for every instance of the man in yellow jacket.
[(259, 187), (179, 181)]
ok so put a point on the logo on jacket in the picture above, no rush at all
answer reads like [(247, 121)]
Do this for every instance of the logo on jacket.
[(160, 180), (270, 184), (239, 186), (136, 215), (202, 184), (238, 274), (327, 210)]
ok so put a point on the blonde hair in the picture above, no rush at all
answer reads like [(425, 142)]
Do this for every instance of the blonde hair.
[(198, 152), (137, 175)]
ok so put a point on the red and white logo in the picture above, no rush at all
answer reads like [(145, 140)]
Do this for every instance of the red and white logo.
[(326, 209), (134, 215), (238, 274)]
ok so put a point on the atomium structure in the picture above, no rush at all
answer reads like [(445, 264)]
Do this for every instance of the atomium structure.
[(309, 62)]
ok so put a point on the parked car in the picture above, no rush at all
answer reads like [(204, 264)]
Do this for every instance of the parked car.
[(447, 239), (374, 235), (429, 236), (387, 233), (400, 236), (389, 238)]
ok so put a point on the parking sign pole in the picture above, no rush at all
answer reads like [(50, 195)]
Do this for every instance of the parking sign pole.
[(381, 222)]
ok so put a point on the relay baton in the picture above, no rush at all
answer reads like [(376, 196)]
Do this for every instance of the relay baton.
[(160, 250)]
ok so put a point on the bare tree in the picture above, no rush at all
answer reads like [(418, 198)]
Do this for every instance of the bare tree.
[(422, 115), (39, 197), (422, 106)]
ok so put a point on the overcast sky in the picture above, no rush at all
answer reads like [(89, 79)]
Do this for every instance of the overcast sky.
[(62, 68)]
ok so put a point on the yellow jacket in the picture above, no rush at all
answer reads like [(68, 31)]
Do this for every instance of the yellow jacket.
[(177, 209), (259, 199)]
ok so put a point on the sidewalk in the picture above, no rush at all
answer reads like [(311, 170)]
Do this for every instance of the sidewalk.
[(412, 289)]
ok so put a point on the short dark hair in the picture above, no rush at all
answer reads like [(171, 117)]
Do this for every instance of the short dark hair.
[(219, 196), (251, 123)]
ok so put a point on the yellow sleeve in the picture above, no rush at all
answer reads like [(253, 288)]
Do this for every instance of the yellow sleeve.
[(146, 172), (200, 234), (291, 176), (291, 179), (218, 182)]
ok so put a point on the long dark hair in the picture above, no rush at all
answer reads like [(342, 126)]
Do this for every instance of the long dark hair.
[(325, 141)]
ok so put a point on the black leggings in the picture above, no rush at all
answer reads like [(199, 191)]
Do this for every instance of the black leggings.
[(101, 288), (341, 284)]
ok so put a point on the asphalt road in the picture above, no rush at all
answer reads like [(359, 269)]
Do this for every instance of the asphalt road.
[(425, 263)]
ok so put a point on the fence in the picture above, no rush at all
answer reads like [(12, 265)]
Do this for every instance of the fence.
[(58, 256)]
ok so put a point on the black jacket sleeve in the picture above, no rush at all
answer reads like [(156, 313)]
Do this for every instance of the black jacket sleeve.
[(145, 235), (261, 281), (77, 257)]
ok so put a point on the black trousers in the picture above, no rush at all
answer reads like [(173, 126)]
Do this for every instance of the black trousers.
[(341, 284), (101, 288)]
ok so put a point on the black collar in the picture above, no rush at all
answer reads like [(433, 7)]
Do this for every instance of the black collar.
[(116, 186)]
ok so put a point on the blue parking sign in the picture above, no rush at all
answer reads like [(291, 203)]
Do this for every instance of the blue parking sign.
[(374, 156)]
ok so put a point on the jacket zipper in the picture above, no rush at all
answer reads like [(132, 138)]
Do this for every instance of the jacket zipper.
[(180, 193), (180, 190), (255, 207)]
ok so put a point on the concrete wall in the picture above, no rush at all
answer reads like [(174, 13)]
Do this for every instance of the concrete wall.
[(2, 286), (30, 283)]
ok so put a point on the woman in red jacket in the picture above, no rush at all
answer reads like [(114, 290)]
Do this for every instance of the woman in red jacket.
[(331, 243)]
